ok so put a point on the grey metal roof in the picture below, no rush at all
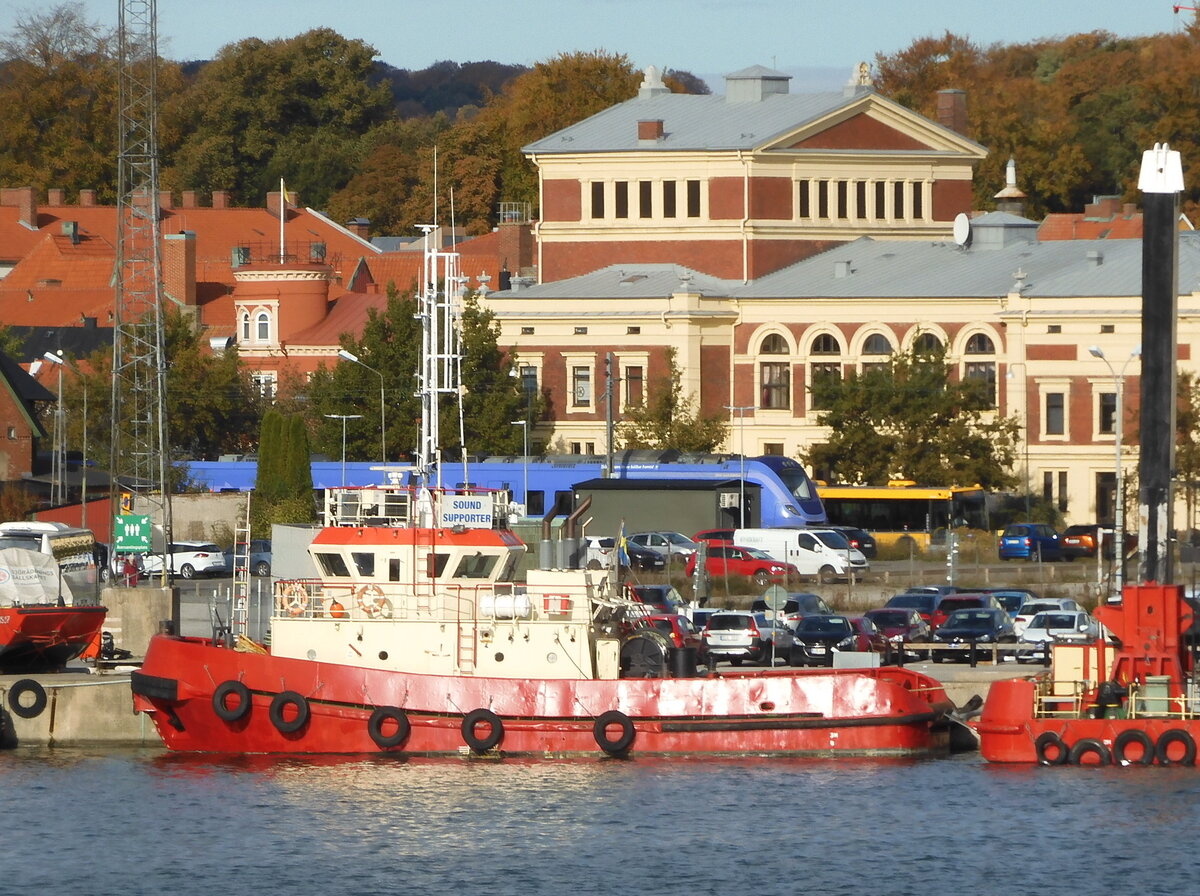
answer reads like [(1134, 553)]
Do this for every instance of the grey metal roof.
[(869, 268), (623, 281), (694, 123)]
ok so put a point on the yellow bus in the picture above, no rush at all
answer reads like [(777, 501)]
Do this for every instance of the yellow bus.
[(904, 510)]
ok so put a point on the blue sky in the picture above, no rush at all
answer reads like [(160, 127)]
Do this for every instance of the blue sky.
[(706, 37)]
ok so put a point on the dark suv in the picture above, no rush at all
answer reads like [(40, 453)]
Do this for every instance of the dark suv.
[(1030, 541)]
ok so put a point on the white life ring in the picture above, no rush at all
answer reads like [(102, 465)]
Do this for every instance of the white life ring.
[(296, 597), (371, 601)]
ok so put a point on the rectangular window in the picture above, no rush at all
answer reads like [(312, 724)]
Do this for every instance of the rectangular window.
[(1048, 487), (805, 200), (535, 503), (529, 384), (822, 199), (1053, 328), (820, 374), (1108, 413), (843, 199), (1062, 491), (986, 372), (917, 197), (773, 448), (860, 199), (668, 193), (1107, 328), (693, 199), (621, 202), (1055, 413), (880, 199), (581, 387), (597, 199), (265, 382), (645, 199), (775, 391), (898, 190), (634, 386)]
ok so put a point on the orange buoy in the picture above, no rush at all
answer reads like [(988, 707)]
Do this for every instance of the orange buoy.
[(337, 611)]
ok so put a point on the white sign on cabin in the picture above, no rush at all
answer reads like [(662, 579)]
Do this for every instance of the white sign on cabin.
[(469, 511)]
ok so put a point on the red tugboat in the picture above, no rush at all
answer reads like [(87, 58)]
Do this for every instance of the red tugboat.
[(417, 638), (1132, 704)]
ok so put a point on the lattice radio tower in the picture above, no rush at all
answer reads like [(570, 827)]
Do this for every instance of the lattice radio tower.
[(139, 434)]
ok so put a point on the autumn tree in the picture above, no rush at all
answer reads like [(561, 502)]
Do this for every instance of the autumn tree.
[(297, 108), (910, 419), (671, 419), (58, 101)]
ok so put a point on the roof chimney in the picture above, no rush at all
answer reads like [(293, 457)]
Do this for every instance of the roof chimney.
[(273, 201), (55, 196), (166, 201), (360, 227), (188, 199), (25, 199), (952, 110), (179, 267), (220, 199), (650, 129), (1010, 199), (87, 198)]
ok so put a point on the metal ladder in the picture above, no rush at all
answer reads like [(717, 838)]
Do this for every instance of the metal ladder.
[(241, 575)]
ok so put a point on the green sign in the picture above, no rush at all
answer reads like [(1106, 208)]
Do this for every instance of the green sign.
[(131, 533)]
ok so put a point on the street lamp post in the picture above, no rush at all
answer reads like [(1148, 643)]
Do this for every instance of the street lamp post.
[(524, 424), (350, 356), (741, 412), (60, 427), (1118, 418), (344, 418)]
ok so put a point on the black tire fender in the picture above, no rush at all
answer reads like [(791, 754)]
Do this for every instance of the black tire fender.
[(20, 688), (1173, 736), (1050, 749), (1089, 745), (614, 746), (283, 700), (482, 717), (239, 709), (382, 715), (1130, 736)]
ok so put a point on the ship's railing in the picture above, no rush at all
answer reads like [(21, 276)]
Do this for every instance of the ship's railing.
[(405, 505), (1145, 699)]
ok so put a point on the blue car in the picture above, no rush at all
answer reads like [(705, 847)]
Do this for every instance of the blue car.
[(1030, 541)]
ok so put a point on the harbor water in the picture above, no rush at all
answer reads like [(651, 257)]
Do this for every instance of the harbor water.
[(141, 821)]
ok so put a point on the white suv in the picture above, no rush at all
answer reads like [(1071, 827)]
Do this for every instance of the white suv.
[(188, 560)]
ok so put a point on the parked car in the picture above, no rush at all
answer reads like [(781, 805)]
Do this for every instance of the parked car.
[(1011, 599), (951, 602), (818, 638), (258, 557), (675, 546), (1052, 626), (798, 605), (738, 636), (1030, 541), (861, 539), (188, 559), (1082, 541), (675, 628), (900, 626), (731, 560), (662, 598), (972, 626), (925, 603), (714, 536), (1031, 608)]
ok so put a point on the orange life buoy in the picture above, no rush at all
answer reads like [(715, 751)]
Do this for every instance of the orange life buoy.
[(336, 610), (372, 602)]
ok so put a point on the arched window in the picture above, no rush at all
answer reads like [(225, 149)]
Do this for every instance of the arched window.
[(245, 326), (877, 344), (980, 344), (981, 369), (774, 376), (927, 344), (264, 327), (826, 344), (774, 344)]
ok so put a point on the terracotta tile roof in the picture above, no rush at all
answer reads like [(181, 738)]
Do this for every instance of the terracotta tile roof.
[(348, 315), (1076, 226)]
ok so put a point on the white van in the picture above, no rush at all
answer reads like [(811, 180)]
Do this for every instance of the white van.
[(824, 553)]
